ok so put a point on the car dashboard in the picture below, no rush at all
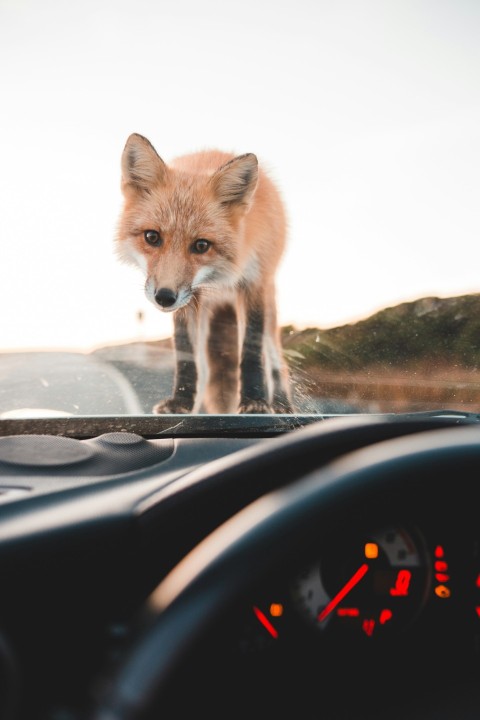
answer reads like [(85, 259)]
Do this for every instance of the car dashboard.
[(326, 569)]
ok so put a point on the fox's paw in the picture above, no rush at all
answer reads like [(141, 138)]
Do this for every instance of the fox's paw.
[(282, 405), (255, 407), (171, 406), (283, 408)]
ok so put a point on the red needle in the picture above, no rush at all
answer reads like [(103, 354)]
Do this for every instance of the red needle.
[(344, 591), (265, 622)]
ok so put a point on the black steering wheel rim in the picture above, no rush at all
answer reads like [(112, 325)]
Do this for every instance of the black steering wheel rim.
[(268, 534)]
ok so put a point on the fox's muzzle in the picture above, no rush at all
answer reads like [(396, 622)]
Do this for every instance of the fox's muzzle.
[(165, 297)]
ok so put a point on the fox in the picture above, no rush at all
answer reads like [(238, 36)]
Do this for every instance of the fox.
[(208, 231)]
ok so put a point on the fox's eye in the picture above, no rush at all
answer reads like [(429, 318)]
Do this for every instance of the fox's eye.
[(152, 237), (201, 246)]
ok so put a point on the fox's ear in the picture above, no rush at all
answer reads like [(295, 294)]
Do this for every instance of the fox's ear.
[(235, 182), (142, 167)]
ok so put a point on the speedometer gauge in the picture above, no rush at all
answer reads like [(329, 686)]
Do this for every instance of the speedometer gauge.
[(371, 586)]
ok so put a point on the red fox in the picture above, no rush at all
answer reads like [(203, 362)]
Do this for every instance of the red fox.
[(208, 230)]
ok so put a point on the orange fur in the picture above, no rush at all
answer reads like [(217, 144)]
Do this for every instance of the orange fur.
[(232, 204)]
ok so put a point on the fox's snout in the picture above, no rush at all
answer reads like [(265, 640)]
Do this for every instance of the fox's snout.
[(165, 297)]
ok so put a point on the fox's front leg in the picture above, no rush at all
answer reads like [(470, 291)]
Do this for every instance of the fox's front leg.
[(253, 388), (185, 379)]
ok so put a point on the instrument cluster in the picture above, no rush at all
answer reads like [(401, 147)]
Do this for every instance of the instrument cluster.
[(369, 590)]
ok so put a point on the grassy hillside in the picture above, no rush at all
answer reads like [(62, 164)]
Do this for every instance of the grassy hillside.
[(414, 356), (431, 329)]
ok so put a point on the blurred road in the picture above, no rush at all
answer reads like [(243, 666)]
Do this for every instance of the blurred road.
[(106, 382), (114, 380)]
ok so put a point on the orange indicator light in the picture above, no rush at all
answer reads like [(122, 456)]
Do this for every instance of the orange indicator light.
[(371, 550), (276, 610), (442, 591)]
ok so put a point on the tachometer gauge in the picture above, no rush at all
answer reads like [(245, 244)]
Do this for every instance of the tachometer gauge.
[(369, 587)]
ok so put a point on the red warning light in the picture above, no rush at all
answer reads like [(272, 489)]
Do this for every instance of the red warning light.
[(402, 583), (368, 626), (439, 552), (441, 566), (348, 612), (385, 616)]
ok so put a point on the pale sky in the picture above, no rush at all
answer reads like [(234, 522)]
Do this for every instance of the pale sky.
[(365, 112)]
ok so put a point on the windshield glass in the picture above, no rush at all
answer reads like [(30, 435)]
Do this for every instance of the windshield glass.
[(239, 208)]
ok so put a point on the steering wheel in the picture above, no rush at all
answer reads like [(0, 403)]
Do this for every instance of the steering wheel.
[(267, 537)]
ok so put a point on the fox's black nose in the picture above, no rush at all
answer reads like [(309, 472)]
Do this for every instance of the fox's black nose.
[(165, 297)]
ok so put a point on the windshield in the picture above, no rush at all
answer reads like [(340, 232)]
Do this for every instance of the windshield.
[(253, 208)]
